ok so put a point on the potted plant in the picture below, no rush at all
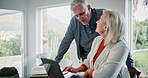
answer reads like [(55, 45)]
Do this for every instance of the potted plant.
[(9, 72)]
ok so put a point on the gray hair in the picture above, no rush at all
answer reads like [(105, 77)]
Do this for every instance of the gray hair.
[(75, 3), (116, 26)]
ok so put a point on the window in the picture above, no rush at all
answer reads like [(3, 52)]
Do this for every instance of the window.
[(54, 22), (140, 36), (10, 39)]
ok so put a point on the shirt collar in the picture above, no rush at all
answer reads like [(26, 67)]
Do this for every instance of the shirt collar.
[(94, 18)]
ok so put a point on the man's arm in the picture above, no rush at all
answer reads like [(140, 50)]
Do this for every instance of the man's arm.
[(132, 69), (65, 44), (130, 62)]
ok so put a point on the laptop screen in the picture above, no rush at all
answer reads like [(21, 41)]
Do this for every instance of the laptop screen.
[(52, 68)]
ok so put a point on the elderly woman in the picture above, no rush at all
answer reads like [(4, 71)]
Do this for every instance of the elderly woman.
[(109, 50)]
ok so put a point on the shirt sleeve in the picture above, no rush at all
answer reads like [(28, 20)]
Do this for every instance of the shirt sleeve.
[(90, 72), (130, 62), (84, 66)]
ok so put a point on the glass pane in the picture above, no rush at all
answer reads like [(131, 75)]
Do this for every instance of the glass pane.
[(55, 22), (140, 26), (10, 39), (140, 36)]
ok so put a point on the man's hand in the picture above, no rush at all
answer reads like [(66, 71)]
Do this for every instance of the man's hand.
[(133, 72)]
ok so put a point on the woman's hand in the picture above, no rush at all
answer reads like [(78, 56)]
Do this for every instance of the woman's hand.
[(70, 69), (86, 74)]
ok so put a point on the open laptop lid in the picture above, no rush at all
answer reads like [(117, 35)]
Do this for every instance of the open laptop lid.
[(52, 68)]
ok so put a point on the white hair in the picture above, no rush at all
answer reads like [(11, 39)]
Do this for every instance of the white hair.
[(75, 3), (115, 23)]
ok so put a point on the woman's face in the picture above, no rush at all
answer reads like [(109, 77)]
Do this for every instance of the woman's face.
[(101, 26)]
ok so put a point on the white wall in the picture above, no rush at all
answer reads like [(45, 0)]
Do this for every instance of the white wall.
[(118, 5), (30, 9), (13, 4)]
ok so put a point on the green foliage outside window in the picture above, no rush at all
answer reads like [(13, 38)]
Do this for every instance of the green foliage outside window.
[(140, 34), (140, 41), (10, 47), (141, 61), (55, 37)]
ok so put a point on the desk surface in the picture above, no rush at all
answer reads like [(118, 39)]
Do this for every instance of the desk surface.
[(40, 72), (39, 76), (46, 76)]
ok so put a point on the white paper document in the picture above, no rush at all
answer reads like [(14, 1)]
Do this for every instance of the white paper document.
[(69, 74), (38, 70)]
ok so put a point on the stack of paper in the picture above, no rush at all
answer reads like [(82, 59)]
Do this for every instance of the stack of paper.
[(38, 70)]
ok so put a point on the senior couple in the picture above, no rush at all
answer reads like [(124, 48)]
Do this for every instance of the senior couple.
[(100, 40)]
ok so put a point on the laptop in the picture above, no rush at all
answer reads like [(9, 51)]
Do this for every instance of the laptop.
[(53, 69)]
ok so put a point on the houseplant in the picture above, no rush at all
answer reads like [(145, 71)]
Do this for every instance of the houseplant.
[(9, 72)]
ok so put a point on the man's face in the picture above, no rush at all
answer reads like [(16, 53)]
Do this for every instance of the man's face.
[(82, 15)]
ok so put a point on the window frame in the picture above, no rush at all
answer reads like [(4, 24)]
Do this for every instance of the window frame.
[(22, 38)]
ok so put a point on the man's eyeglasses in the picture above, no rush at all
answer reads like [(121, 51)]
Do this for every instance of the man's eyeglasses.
[(81, 14)]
